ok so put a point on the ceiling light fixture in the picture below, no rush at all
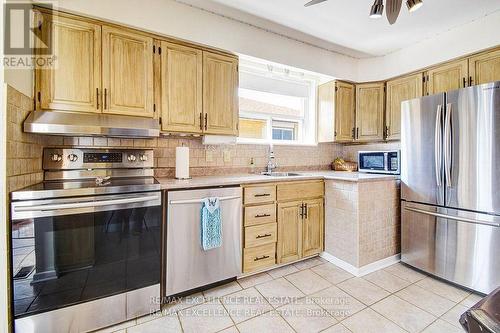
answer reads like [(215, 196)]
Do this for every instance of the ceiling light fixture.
[(377, 9), (413, 5)]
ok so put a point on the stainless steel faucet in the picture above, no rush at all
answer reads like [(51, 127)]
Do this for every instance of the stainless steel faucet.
[(271, 162)]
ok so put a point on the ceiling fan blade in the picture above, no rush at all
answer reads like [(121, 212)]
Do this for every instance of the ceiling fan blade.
[(313, 2), (392, 10)]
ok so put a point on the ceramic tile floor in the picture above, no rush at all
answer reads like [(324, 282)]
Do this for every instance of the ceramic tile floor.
[(316, 296)]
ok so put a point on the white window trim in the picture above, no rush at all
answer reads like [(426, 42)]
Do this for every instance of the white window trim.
[(256, 66)]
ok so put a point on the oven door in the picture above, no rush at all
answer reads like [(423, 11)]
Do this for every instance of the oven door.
[(372, 161), (73, 250)]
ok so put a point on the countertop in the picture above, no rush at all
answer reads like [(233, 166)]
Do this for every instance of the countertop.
[(238, 179)]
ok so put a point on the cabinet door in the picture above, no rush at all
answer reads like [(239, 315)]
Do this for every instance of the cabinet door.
[(181, 78), (220, 94), (312, 227), (370, 112), (289, 232), (75, 82), (447, 77), (400, 90), (344, 111), (127, 72), (485, 67)]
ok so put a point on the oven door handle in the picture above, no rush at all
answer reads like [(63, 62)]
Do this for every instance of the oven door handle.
[(74, 205)]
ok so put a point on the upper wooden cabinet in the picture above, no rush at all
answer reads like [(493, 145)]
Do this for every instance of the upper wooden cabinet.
[(127, 72), (336, 111), (181, 88), (369, 112), (75, 82), (400, 90), (220, 94), (484, 67), (447, 77)]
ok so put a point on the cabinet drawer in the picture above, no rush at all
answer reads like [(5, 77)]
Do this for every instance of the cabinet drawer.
[(260, 234), (260, 214), (299, 191), (259, 194), (255, 258)]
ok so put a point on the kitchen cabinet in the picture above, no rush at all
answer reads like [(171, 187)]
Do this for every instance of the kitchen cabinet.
[(484, 67), (336, 111), (75, 82), (289, 231), (220, 94), (312, 227), (399, 90), (259, 227), (450, 76), (127, 72), (181, 88), (300, 220), (369, 112)]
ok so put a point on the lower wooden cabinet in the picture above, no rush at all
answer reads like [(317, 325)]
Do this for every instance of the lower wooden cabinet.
[(289, 232), (283, 222), (300, 229), (312, 227)]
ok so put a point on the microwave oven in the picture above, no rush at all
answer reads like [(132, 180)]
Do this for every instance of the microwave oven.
[(388, 162)]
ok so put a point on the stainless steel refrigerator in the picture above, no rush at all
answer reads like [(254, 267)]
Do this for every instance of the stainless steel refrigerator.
[(450, 185)]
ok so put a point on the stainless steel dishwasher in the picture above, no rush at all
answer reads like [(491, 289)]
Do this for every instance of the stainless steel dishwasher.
[(188, 265)]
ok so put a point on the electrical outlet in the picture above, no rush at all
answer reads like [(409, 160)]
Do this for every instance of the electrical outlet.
[(227, 156), (209, 155)]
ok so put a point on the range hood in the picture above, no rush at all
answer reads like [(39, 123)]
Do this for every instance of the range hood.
[(84, 124)]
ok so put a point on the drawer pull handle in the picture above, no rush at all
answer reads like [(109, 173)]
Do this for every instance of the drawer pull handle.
[(263, 236), (261, 258), (262, 215), (262, 195)]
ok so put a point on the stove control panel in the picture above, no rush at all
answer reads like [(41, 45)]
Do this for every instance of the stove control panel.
[(93, 157), (87, 159)]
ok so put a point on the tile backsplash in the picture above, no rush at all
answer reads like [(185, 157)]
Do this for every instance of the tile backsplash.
[(24, 151)]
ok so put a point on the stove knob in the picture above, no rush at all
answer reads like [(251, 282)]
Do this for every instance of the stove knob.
[(131, 158), (73, 157), (56, 158), (143, 157)]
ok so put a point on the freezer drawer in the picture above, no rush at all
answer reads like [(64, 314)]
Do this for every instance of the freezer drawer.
[(188, 266), (459, 246)]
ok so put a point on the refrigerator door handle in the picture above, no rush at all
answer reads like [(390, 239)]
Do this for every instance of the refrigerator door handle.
[(455, 218), (447, 146), (438, 144)]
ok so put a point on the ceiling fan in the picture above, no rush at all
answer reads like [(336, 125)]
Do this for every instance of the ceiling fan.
[(392, 10)]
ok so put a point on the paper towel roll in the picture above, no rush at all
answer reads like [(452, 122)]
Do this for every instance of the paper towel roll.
[(182, 162)]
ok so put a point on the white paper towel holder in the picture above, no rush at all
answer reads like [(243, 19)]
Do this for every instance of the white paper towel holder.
[(183, 178)]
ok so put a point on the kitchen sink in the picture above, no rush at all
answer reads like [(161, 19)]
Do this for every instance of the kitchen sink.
[(281, 174)]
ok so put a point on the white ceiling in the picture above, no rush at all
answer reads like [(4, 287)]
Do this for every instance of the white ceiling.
[(344, 26)]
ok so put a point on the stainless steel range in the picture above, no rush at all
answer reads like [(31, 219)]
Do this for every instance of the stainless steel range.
[(86, 241)]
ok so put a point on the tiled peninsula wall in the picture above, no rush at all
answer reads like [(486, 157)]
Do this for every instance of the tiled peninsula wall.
[(25, 151), (362, 220)]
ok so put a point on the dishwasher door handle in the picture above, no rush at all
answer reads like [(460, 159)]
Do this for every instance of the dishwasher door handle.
[(181, 202)]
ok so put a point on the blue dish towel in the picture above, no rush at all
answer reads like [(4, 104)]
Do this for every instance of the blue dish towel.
[(211, 224)]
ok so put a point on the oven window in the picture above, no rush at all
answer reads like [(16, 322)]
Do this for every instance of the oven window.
[(372, 161), (64, 260)]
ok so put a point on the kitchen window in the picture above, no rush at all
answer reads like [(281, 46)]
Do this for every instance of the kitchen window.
[(276, 104)]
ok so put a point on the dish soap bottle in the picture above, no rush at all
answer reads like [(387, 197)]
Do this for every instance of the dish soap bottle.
[(252, 165)]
